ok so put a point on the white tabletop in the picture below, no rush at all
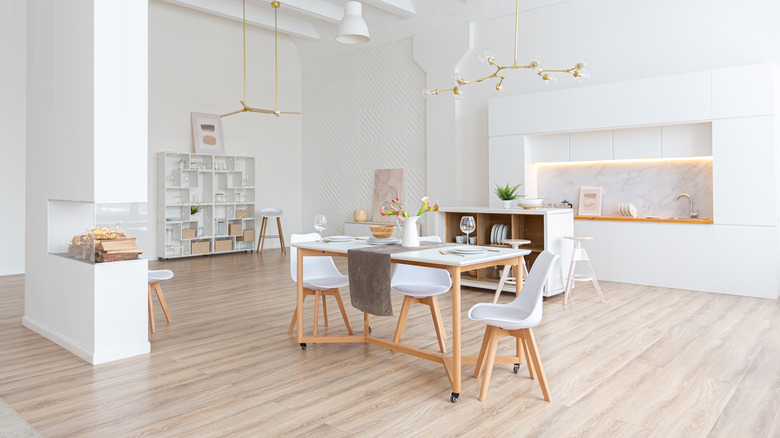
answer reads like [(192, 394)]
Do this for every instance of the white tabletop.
[(423, 255)]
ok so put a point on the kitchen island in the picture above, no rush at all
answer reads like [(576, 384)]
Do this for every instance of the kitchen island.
[(544, 227)]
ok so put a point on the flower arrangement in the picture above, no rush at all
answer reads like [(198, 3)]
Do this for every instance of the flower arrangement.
[(195, 209), (401, 213)]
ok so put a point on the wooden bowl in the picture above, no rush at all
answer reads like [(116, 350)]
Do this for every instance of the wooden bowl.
[(382, 231)]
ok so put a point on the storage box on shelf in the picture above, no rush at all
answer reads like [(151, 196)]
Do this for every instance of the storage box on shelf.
[(221, 187), (544, 227)]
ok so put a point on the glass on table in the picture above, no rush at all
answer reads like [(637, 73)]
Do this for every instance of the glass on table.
[(320, 224), (467, 225)]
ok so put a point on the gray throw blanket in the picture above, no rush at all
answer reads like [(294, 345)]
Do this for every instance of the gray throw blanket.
[(369, 276)]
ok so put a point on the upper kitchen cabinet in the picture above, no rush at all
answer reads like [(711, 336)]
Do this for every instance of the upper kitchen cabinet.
[(590, 146), (691, 140), (637, 143), (743, 91)]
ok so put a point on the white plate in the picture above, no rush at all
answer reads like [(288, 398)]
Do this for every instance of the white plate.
[(389, 241), (339, 238), (505, 233), (468, 250), (493, 232), (499, 233)]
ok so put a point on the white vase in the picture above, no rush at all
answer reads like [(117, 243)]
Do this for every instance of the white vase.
[(507, 204), (410, 238)]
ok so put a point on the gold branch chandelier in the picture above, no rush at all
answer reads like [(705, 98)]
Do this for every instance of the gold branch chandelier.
[(246, 108), (578, 71)]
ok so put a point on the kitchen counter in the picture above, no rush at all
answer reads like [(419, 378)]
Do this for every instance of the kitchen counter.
[(513, 210), (643, 219)]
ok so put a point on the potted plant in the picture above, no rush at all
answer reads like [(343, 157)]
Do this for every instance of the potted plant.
[(507, 194)]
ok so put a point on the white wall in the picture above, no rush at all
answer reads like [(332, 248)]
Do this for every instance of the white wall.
[(622, 40), (195, 64), (363, 111), (13, 106)]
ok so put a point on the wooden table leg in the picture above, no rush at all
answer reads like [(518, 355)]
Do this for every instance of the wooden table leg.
[(299, 298), (456, 354)]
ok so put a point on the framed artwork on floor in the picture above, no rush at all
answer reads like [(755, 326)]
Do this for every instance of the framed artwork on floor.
[(590, 201), (207, 134)]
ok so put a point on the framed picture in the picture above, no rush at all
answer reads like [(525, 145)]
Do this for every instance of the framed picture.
[(388, 184), (207, 134), (590, 201)]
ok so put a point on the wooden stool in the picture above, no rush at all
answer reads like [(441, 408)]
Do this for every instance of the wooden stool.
[(155, 277), (505, 278), (265, 213), (580, 255)]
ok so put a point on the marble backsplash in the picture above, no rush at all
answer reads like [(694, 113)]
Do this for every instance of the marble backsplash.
[(651, 186)]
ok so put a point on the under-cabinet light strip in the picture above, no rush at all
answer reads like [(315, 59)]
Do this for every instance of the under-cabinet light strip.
[(626, 161)]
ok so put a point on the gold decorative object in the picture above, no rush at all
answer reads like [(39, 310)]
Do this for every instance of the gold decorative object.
[(578, 71), (246, 108), (382, 231)]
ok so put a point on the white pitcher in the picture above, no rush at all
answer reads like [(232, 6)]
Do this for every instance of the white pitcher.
[(411, 238)]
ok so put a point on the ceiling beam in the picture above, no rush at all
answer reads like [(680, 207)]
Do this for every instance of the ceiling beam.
[(318, 9), (401, 8), (255, 16)]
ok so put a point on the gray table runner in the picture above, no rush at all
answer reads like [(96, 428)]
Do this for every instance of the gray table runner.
[(369, 276)]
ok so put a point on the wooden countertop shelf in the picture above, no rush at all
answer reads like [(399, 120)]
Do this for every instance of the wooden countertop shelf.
[(643, 219)]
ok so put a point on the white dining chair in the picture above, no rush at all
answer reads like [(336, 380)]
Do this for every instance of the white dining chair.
[(321, 278), (421, 285), (155, 277), (515, 319)]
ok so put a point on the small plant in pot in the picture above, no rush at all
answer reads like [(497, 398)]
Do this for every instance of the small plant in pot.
[(507, 194)]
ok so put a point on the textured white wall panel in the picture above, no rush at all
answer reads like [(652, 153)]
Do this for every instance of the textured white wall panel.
[(361, 111)]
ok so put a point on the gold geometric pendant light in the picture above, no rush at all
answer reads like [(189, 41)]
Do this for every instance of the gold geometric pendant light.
[(246, 108)]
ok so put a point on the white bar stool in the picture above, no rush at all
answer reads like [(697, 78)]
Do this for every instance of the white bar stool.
[(505, 278), (580, 255), (265, 213), (155, 277)]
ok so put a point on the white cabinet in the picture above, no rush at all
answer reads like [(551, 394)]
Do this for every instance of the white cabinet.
[(744, 163), (221, 189), (743, 91), (590, 146), (550, 148), (691, 140), (636, 143)]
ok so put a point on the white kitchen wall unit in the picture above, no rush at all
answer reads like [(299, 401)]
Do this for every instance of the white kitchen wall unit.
[(358, 229), (688, 140), (744, 164), (636, 143), (513, 150), (544, 227), (222, 186), (590, 146), (730, 114)]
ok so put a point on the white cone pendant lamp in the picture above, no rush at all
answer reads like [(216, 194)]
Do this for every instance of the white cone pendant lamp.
[(353, 29)]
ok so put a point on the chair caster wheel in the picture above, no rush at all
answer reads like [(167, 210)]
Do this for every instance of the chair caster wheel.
[(517, 368), (454, 397), (303, 346), (544, 298), (369, 330)]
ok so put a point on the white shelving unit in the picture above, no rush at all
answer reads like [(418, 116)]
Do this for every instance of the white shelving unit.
[(222, 186)]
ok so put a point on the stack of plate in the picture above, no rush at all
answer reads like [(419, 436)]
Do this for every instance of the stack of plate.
[(466, 250), (339, 238), (498, 233), (626, 209), (389, 241)]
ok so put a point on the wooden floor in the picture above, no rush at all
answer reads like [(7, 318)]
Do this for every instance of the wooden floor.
[(651, 362)]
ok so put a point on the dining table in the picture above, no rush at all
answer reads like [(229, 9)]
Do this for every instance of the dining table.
[(442, 257)]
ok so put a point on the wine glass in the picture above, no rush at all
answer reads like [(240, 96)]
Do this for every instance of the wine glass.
[(320, 223), (467, 225)]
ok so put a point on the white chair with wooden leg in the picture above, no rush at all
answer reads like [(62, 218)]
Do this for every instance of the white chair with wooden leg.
[(515, 319), (155, 277), (422, 285), (266, 213), (580, 255), (321, 279), (505, 278)]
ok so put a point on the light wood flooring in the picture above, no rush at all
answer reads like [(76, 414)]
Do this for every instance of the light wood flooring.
[(651, 362)]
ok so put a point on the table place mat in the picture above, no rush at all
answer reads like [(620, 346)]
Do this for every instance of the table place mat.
[(370, 275)]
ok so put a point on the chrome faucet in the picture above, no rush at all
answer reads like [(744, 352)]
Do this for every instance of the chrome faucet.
[(694, 214)]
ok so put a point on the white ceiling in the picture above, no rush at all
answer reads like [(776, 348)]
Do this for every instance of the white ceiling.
[(313, 24)]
